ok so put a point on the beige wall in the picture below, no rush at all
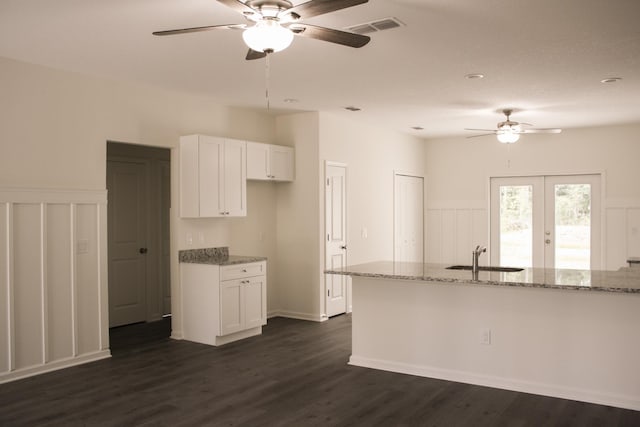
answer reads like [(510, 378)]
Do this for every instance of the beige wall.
[(298, 262), (459, 171), (372, 155), (54, 126)]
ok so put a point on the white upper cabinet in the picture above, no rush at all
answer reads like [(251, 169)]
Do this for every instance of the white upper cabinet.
[(269, 162), (213, 177)]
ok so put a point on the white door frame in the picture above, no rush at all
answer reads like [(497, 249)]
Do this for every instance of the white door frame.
[(598, 217), (327, 246)]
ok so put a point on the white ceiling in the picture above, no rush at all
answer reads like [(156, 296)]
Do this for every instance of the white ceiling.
[(545, 58)]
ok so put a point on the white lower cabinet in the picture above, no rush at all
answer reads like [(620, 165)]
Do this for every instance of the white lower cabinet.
[(222, 304)]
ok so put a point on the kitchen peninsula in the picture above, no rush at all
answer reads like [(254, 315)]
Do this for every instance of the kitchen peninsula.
[(563, 333)]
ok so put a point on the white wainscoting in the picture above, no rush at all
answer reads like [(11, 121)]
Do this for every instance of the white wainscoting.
[(622, 232), (53, 280), (453, 229)]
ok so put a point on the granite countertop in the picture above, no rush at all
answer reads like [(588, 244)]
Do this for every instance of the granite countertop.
[(625, 280), (215, 256)]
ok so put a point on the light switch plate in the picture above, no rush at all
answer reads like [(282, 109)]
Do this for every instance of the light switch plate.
[(82, 246)]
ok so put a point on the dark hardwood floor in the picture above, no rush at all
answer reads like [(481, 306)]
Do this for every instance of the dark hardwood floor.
[(295, 374)]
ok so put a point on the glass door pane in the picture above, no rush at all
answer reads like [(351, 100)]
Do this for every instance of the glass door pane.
[(516, 225), (572, 226), (517, 212), (572, 222)]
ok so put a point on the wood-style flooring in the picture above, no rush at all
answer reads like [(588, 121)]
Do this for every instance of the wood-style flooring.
[(295, 374)]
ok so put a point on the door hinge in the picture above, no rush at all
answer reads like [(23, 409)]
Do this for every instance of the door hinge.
[(328, 292), (327, 237), (327, 182)]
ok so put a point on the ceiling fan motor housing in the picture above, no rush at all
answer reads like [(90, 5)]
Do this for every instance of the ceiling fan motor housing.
[(268, 8)]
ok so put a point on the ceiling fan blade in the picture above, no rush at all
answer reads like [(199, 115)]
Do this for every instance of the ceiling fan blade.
[(550, 130), (254, 54), (319, 7), (238, 6), (330, 35), (482, 130), (484, 134), (197, 29)]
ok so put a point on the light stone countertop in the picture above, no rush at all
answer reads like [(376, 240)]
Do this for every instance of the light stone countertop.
[(625, 280)]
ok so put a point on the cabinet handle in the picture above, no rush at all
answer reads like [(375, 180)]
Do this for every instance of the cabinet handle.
[(244, 270)]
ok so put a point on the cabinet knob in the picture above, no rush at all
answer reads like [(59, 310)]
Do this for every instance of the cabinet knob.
[(143, 250)]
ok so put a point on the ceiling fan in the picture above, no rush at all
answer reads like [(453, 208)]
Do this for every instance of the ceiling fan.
[(509, 131), (273, 23)]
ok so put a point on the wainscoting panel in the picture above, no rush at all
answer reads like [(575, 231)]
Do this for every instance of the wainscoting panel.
[(53, 310), (633, 232), (453, 232), (622, 234), (5, 337), (59, 280), (27, 285)]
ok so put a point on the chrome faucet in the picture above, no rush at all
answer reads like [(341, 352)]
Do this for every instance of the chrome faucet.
[(476, 254)]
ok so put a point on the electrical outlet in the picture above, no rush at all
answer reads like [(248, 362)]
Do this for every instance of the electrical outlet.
[(485, 336)]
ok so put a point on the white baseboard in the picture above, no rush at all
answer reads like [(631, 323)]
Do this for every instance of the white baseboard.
[(53, 366), (296, 315), (513, 384)]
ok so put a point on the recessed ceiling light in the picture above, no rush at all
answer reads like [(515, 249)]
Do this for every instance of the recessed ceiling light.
[(417, 128), (611, 80), (474, 76), (352, 108)]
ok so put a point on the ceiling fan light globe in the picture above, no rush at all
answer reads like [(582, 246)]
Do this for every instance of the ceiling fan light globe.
[(507, 136), (267, 36)]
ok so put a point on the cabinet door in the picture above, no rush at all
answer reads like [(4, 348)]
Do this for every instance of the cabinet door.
[(235, 178), (281, 160), (189, 177), (231, 307), (211, 178), (257, 161), (255, 302)]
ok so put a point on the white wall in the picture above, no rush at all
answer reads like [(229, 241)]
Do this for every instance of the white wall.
[(459, 171), (298, 207), (54, 126), (372, 154)]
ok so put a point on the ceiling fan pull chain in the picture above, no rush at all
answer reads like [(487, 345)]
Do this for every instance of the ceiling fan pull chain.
[(266, 78)]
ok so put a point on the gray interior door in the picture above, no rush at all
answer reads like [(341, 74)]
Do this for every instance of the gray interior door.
[(127, 213)]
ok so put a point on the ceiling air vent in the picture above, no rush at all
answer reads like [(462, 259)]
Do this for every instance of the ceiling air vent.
[(374, 26)]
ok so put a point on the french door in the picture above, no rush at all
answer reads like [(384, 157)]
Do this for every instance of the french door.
[(546, 221)]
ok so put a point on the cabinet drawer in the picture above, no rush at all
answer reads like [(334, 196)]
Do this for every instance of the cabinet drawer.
[(239, 271)]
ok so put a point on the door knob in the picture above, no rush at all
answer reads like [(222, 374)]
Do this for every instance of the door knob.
[(143, 250), (343, 247)]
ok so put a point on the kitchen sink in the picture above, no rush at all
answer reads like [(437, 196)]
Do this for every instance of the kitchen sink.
[(486, 268)]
